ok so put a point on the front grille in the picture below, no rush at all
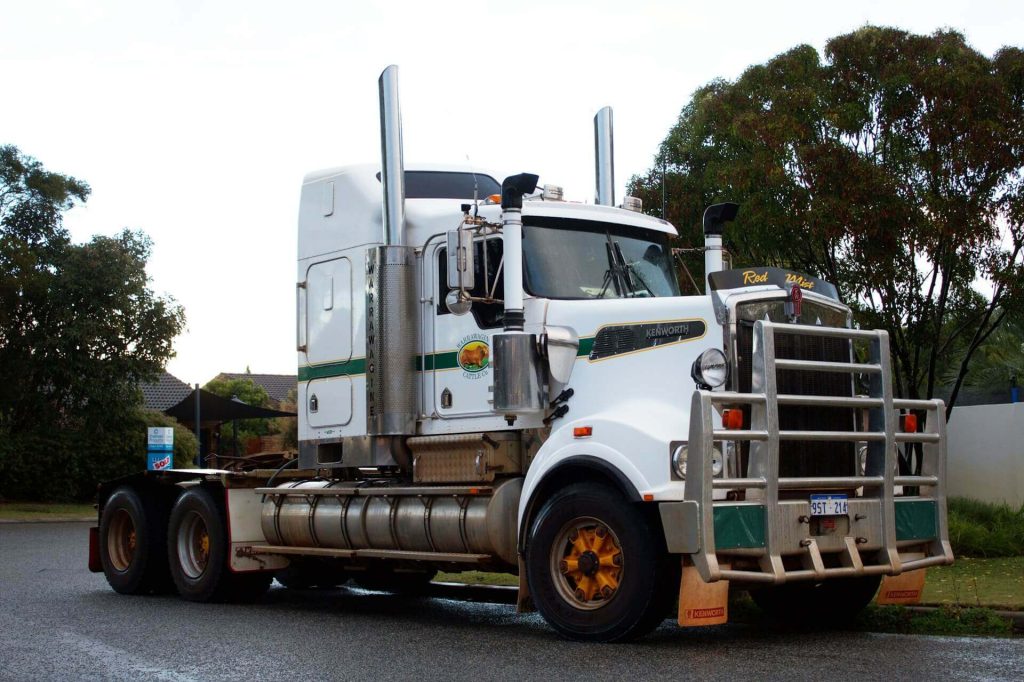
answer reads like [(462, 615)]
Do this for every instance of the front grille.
[(804, 458)]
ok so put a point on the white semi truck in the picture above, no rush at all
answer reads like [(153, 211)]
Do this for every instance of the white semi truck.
[(490, 378)]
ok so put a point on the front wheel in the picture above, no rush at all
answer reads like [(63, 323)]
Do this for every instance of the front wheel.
[(596, 569), (198, 546)]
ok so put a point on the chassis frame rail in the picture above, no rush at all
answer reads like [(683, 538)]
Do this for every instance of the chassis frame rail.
[(870, 546)]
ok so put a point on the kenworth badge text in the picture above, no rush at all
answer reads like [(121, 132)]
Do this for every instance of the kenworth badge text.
[(490, 378)]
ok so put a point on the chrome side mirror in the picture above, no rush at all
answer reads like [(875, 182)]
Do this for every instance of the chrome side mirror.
[(460, 260), (456, 304)]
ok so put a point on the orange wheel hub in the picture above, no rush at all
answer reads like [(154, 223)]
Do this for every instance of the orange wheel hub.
[(591, 565)]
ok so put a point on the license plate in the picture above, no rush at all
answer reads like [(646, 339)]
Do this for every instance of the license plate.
[(829, 505)]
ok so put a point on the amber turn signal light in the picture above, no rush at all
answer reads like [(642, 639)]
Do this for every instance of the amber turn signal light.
[(732, 419), (583, 432)]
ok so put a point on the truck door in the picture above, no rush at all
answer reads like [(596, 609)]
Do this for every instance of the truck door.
[(458, 365), (325, 380)]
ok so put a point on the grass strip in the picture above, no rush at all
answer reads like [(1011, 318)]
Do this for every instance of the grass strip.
[(41, 511), (970, 582), (478, 578)]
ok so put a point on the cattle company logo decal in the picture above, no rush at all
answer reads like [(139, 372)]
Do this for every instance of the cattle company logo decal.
[(474, 355)]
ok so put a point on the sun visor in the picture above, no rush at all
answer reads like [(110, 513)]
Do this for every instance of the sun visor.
[(765, 276)]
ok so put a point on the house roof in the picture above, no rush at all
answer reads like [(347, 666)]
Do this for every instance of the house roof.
[(277, 386), (167, 390)]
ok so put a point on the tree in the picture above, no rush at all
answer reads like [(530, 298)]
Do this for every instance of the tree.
[(243, 430), (79, 329), (892, 167)]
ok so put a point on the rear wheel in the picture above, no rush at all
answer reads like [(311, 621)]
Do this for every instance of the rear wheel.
[(596, 569), (835, 601), (132, 543), (197, 544)]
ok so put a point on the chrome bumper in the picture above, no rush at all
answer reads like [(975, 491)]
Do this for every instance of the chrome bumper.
[(882, 534)]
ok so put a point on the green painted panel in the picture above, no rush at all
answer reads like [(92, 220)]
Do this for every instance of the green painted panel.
[(586, 345), (916, 519), (739, 526)]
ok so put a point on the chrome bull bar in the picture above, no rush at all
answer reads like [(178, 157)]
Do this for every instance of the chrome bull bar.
[(884, 534)]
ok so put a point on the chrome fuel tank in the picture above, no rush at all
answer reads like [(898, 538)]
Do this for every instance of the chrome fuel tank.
[(345, 515)]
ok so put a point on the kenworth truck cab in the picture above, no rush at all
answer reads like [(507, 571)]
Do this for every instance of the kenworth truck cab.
[(491, 378)]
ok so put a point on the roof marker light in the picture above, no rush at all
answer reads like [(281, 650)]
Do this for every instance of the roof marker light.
[(552, 193), (634, 204)]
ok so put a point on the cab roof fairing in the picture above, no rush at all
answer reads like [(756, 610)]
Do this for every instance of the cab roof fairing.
[(369, 171), (357, 216)]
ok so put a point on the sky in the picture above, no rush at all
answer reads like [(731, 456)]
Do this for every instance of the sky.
[(196, 121)]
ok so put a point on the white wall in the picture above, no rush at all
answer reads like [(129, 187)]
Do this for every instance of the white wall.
[(986, 453)]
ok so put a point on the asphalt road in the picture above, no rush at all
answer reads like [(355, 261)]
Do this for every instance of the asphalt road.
[(60, 622)]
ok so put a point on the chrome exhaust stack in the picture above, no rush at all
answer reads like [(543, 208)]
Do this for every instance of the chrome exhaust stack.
[(392, 173), (391, 307), (516, 362), (604, 161)]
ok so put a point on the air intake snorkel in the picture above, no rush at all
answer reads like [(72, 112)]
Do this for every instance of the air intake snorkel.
[(517, 366), (512, 191), (715, 218)]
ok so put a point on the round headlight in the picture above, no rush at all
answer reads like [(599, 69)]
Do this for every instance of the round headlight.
[(679, 461), (710, 368), (717, 462)]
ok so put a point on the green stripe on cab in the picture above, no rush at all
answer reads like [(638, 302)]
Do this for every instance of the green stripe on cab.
[(333, 369)]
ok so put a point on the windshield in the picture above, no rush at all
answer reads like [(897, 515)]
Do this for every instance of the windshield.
[(588, 259)]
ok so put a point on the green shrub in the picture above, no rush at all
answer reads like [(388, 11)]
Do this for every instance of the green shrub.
[(984, 529), (185, 444), (66, 464)]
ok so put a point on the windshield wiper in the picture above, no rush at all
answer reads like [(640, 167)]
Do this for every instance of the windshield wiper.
[(631, 269), (609, 274), (623, 268)]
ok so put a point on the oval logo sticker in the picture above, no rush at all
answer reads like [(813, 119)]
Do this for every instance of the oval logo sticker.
[(474, 355)]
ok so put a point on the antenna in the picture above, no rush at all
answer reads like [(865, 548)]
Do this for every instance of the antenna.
[(476, 188)]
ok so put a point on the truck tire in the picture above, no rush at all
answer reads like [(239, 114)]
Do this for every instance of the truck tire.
[(831, 602), (311, 572), (399, 582), (596, 568), (197, 544), (133, 550)]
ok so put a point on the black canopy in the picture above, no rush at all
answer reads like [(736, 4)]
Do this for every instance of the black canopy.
[(217, 410)]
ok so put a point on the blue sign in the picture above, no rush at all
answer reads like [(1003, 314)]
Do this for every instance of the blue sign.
[(160, 448)]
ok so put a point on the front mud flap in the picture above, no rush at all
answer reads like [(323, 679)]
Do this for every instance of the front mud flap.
[(524, 602), (905, 588), (701, 603)]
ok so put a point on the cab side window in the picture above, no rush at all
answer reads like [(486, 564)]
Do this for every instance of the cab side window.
[(487, 315)]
